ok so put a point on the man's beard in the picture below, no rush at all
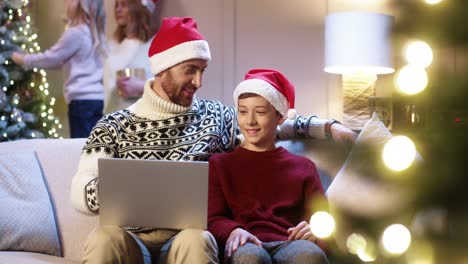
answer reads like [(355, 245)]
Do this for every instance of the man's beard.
[(171, 88)]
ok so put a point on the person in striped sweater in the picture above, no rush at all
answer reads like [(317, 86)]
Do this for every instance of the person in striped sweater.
[(170, 123)]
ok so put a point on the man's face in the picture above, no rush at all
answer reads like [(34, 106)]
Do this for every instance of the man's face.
[(179, 83)]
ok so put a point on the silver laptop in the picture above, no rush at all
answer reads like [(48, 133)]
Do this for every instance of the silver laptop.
[(153, 193)]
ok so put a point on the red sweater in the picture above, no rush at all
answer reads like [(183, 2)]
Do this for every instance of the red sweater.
[(264, 193)]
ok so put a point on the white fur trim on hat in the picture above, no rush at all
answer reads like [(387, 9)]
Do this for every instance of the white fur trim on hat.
[(196, 49), (266, 90)]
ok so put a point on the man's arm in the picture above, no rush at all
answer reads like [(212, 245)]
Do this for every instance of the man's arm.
[(314, 127), (84, 187)]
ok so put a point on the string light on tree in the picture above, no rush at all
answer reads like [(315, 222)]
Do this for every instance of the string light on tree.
[(399, 153), (396, 239), (411, 79), (418, 54), (322, 224), (432, 2), (24, 104)]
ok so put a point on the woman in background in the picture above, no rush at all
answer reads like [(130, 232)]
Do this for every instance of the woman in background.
[(79, 52), (128, 50)]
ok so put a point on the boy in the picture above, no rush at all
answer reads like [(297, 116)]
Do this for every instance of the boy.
[(259, 195)]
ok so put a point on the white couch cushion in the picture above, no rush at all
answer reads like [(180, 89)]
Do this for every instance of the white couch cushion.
[(27, 219)]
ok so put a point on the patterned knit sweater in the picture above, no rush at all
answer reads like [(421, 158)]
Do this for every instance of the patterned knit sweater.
[(154, 128)]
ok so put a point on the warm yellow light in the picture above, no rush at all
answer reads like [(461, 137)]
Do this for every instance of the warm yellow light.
[(433, 2), (420, 253), (398, 153), (396, 239), (411, 79), (419, 54), (322, 224), (355, 243), (366, 255)]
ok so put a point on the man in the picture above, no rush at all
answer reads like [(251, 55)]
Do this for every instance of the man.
[(169, 123)]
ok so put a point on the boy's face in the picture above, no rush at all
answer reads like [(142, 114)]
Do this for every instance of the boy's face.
[(258, 120)]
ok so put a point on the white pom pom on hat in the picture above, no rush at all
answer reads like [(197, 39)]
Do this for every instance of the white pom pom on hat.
[(177, 40), (271, 85)]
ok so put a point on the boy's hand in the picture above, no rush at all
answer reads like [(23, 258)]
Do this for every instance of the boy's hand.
[(237, 238), (18, 58), (301, 232)]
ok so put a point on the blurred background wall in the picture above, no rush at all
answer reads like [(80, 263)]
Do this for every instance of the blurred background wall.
[(243, 34)]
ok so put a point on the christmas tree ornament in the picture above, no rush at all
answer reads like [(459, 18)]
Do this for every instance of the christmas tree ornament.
[(3, 124), (29, 134), (13, 130), (4, 78), (29, 118), (3, 99), (14, 4)]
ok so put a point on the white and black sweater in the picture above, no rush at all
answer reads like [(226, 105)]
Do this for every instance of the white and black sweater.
[(153, 128)]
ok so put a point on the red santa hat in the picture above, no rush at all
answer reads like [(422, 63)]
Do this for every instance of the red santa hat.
[(177, 40), (271, 85)]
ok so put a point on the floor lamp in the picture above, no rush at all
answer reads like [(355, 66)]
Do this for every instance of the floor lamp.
[(358, 46)]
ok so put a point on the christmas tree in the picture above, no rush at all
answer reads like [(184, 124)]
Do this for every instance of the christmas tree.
[(26, 111), (442, 129), (433, 113)]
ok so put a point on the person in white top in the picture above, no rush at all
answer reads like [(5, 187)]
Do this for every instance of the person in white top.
[(79, 53), (136, 25)]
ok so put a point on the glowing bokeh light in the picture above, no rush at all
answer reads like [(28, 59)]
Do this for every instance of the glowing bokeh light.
[(432, 2), (355, 243), (419, 54), (396, 239), (366, 256), (322, 224), (399, 153), (411, 79), (420, 253)]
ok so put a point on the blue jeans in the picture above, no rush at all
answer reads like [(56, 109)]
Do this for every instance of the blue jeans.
[(83, 116), (281, 252)]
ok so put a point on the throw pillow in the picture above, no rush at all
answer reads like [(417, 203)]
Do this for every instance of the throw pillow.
[(359, 188), (27, 221)]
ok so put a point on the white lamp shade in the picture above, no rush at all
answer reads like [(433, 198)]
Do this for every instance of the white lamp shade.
[(358, 41)]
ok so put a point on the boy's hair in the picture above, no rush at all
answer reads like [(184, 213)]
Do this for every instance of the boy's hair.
[(248, 95), (142, 23), (92, 11)]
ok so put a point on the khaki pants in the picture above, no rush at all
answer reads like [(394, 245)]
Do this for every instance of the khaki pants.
[(114, 245)]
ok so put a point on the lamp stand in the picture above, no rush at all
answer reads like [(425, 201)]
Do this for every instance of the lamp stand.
[(357, 88)]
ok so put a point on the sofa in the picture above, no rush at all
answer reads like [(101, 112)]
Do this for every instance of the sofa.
[(58, 161)]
